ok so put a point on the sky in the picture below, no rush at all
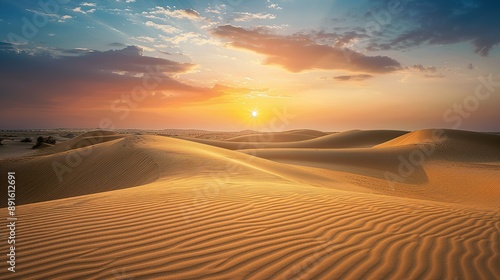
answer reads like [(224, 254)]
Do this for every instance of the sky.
[(266, 65)]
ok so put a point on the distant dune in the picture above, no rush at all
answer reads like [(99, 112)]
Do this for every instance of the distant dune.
[(84, 140), (453, 144), (326, 207), (347, 139), (286, 136)]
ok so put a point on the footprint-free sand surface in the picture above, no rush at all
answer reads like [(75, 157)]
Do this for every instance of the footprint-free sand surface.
[(303, 204)]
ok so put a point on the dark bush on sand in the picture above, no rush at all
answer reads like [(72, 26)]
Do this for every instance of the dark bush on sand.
[(44, 140)]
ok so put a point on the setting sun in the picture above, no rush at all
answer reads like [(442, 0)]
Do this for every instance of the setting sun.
[(254, 113)]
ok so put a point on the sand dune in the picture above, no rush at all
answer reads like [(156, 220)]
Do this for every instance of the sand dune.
[(285, 136), (102, 167), (204, 212), (346, 139), (83, 140), (453, 145), (136, 160), (456, 166), (276, 231)]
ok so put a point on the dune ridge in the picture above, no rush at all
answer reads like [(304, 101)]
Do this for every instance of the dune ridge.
[(346, 139)]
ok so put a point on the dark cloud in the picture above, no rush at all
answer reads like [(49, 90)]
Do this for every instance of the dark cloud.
[(165, 52), (117, 44), (6, 46), (425, 71), (359, 77), (192, 13), (88, 79), (421, 68), (301, 52), (445, 22), (339, 40)]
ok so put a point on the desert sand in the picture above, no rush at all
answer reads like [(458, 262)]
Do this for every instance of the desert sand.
[(303, 204)]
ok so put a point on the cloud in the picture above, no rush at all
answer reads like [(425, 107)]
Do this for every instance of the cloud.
[(188, 13), (215, 9), (274, 6), (163, 27), (446, 22), (421, 68), (145, 39), (52, 17), (83, 79), (190, 37), (117, 44), (301, 52), (87, 4), (42, 13), (6, 47), (358, 77), (64, 18), (426, 72), (244, 16), (179, 14), (79, 10)]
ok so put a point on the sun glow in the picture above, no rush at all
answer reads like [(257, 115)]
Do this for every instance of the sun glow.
[(254, 113)]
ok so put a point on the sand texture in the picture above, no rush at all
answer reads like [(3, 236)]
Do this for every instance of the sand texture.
[(301, 205)]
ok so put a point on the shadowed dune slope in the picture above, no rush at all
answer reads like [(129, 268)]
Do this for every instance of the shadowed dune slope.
[(346, 139), (454, 145), (369, 162)]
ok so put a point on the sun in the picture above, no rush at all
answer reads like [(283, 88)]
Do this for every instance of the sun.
[(254, 113)]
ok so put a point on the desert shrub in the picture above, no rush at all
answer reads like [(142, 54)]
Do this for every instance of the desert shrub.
[(50, 140), (27, 140), (40, 140)]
